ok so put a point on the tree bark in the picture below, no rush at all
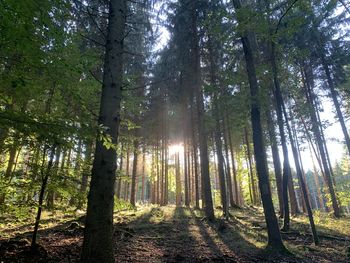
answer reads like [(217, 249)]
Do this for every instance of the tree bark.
[(307, 73), (202, 132), (178, 180), (301, 179), (251, 172), (336, 102), (98, 245), (235, 177), (228, 168), (276, 160), (134, 173), (274, 236), (45, 178), (143, 179)]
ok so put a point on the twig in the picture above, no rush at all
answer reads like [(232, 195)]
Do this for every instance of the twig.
[(284, 14), (345, 6), (92, 40)]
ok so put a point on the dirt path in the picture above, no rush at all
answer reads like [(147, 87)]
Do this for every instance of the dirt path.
[(170, 234)]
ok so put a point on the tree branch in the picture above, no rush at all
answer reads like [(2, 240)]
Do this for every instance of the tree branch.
[(284, 14)]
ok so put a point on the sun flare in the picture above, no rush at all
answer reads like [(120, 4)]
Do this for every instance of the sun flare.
[(176, 148)]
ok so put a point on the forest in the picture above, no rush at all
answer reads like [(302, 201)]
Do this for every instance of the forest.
[(174, 131)]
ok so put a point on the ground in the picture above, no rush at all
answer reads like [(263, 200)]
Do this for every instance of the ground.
[(170, 234)]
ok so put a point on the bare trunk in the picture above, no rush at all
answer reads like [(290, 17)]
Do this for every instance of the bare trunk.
[(45, 178), (276, 161), (274, 236), (202, 132), (98, 245), (308, 80), (134, 174)]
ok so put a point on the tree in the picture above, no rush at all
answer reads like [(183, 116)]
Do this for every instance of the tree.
[(274, 236), (98, 234)]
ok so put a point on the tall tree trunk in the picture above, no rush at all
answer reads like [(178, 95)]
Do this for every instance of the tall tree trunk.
[(11, 161), (195, 159), (217, 132), (185, 156), (154, 177), (10, 164), (178, 179), (162, 170), (317, 182), (45, 177), (274, 236), (336, 102), (158, 189), (143, 179), (276, 160), (134, 173), (98, 245), (250, 164), (308, 80), (127, 174), (294, 208), (286, 165), (85, 174), (50, 199), (166, 171), (228, 168), (120, 174), (301, 179), (235, 177), (324, 144), (202, 132), (220, 164)]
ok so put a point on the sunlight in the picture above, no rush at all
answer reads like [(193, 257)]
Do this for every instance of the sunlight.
[(176, 148)]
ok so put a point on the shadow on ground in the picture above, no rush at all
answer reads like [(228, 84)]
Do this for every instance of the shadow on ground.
[(175, 234)]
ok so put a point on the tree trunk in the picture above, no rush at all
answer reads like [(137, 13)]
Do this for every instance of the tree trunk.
[(308, 80), (217, 132), (134, 174), (166, 171), (203, 146), (195, 159), (45, 178), (220, 158), (228, 168), (127, 174), (276, 160), (274, 236), (336, 102), (185, 121), (50, 199), (250, 164), (143, 179), (178, 180), (85, 174), (280, 121), (301, 179), (98, 245), (235, 177)]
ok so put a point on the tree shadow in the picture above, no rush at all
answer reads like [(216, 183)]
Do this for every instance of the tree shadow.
[(227, 238), (61, 243)]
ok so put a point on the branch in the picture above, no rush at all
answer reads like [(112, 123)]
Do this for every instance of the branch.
[(92, 40), (284, 14), (96, 24), (95, 77), (345, 6), (148, 84)]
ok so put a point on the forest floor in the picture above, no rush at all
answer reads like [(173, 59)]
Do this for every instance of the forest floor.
[(169, 234)]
